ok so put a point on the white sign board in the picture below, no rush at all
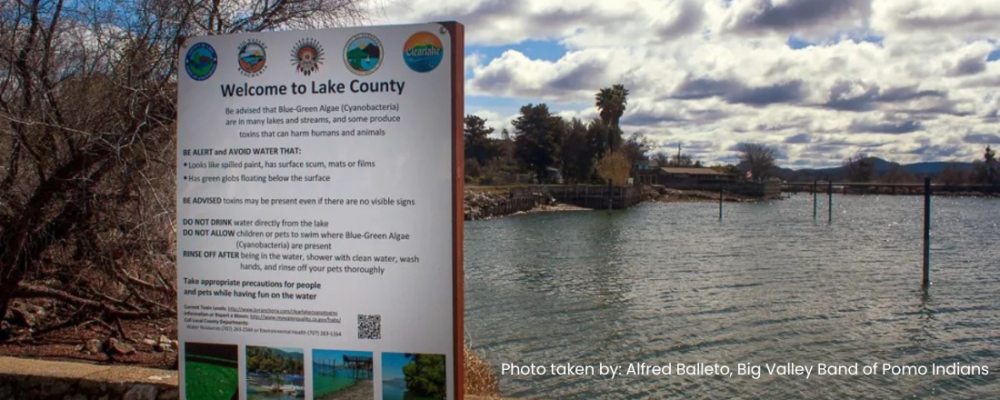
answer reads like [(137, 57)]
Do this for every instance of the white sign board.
[(319, 214)]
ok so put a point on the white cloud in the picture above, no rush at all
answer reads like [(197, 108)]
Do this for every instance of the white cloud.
[(707, 73)]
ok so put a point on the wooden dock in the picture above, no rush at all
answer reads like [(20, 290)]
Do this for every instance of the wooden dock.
[(883, 188)]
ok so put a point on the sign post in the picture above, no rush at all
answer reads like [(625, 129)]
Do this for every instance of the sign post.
[(319, 211)]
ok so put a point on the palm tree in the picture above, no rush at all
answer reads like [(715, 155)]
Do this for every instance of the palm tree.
[(611, 102)]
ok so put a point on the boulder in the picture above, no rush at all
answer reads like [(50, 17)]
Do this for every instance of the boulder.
[(119, 348), (93, 346), (141, 392)]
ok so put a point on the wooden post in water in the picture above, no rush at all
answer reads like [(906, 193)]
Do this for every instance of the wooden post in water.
[(815, 200), (829, 192), (927, 233), (720, 200)]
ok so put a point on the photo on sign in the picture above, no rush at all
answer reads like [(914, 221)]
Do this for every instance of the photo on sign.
[(275, 373), (212, 371), (408, 376), (342, 375)]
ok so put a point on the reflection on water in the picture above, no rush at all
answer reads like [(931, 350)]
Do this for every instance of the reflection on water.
[(670, 283), (396, 390), (265, 395)]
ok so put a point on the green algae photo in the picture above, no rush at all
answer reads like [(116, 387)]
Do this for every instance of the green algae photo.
[(212, 372), (342, 375), (407, 376)]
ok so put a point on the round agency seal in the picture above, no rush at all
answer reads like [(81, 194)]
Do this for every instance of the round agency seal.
[(200, 61), (252, 57), (307, 56), (363, 54)]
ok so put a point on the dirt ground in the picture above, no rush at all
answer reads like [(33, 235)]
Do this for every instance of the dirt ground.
[(66, 344)]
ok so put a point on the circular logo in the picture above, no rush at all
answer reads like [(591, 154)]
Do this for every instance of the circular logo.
[(252, 57), (307, 56), (363, 54), (200, 61), (423, 52)]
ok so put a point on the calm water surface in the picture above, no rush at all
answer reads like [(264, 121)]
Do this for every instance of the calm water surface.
[(670, 283)]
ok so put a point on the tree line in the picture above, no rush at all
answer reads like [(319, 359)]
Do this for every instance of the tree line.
[(581, 151), (271, 361), (865, 168)]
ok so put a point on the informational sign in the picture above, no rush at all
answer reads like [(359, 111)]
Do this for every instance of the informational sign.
[(319, 212)]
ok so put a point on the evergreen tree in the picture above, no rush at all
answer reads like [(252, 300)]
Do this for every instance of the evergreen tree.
[(538, 139), (478, 144)]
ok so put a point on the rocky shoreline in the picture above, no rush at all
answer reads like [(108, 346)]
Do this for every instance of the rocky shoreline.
[(489, 202)]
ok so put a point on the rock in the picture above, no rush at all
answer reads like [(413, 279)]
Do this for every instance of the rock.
[(25, 318), (5, 332), (172, 394), (163, 347), (119, 348), (149, 342), (175, 344), (93, 346), (141, 392), (75, 397), (164, 339)]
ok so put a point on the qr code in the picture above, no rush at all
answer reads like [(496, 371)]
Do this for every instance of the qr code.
[(369, 327)]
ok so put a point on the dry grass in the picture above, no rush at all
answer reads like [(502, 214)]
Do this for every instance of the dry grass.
[(479, 377)]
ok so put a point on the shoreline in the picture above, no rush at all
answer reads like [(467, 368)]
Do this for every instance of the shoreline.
[(481, 201), (357, 391)]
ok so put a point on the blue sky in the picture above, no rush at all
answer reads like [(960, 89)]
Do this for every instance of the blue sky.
[(906, 80), (392, 365)]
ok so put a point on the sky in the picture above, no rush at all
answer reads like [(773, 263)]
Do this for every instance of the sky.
[(819, 80), (392, 365), (336, 356)]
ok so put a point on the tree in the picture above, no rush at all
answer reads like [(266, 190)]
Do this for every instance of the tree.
[(612, 102), (860, 168), (898, 174), (636, 147), (661, 158), (478, 144), (728, 169), (538, 139), (954, 174), (87, 129), (614, 168), (681, 160), (758, 159), (425, 375), (579, 153)]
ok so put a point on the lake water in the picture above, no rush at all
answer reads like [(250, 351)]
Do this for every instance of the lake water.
[(670, 283)]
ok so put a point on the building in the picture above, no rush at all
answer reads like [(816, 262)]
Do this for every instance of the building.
[(644, 172), (691, 178)]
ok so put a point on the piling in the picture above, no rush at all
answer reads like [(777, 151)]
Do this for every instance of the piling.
[(829, 191), (927, 233), (720, 201), (611, 196), (815, 200)]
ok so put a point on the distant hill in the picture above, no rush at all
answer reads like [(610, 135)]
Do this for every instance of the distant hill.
[(881, 166), (293, 355)]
